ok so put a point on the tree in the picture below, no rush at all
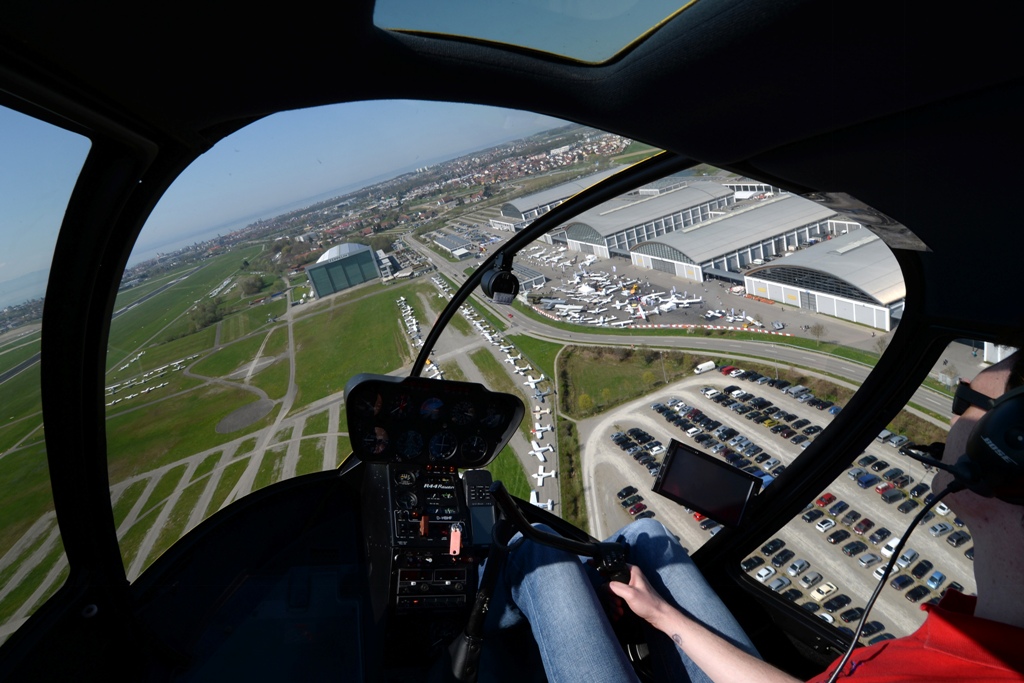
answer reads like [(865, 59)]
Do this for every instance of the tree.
[(647, 377), (606, 395), (250, 285), (881, 343), (817, 330), (586, 404)]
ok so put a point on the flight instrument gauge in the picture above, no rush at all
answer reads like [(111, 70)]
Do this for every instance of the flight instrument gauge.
[(463, 413), (376, 442), (411, 445), (443, 445), (474, 448)]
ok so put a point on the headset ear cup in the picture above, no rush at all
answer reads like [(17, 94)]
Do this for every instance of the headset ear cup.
[(995, 449)]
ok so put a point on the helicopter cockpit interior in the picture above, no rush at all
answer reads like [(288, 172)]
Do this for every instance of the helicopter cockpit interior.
[(229, 449)]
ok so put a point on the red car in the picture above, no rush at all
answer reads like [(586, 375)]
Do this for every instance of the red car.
[(637, 509), (883, 487), (863, 526), (699, 517), (826, 499)]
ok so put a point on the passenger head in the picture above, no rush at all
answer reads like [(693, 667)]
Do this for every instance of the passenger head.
[(992, 382)]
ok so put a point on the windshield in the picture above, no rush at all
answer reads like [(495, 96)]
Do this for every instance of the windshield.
[(39, 168), (679, 309)]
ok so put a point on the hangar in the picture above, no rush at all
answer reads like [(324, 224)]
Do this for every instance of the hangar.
[(747, 233), (853, 277), (341, 267), (651, 211), (517, 213)]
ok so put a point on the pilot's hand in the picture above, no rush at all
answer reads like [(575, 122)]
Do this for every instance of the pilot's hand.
[(643, 600)]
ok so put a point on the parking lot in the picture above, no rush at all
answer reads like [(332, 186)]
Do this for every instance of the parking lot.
[(614, 469)]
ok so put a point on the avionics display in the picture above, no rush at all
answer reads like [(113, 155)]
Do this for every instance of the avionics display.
[(703, 483)]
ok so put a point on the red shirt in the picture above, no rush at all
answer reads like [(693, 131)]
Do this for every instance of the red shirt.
[(951, 645)]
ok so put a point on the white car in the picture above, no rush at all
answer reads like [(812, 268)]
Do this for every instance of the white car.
[(880, 570), (825, 524), (764, 574), (888, 548), (823, 591)]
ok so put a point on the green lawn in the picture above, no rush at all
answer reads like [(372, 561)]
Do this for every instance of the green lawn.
[(229, 358), (317, 423), (133, 538), (232, 473), (174, 527), (13, 432), (163, 488), (506, 468), (127, 500), (364, 336), (270, 468), (21, 396), (311, 455), (539, 353), (273, 379), (16, 598), (206, 466), (250, 319), (25, 481), (143, 440), (18, 354)]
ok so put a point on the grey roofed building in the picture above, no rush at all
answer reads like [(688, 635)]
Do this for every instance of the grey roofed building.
[(857, 265), (622, 214), (451, 243), (708, 241), (521, 210), (853, 277)]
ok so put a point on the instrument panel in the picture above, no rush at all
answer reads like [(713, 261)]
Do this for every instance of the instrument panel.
[(422, 421)]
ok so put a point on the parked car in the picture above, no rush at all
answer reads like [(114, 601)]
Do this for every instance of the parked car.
[(880, 535), (798, 567), (826, 499), (940, 529), (823, 591), (917, 594), (764, 574), (810, 579), (958, 538), (812, 515), (751, 563), (838, 536), (837, 603), (772, 546), (902, 582)]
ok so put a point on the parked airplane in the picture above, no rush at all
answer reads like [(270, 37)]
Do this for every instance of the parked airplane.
[(537, 410), (507, 348), (539, 429), (539, 395), (539, 452), (535, 500), (511, 360), (532, 382), (541, 475)]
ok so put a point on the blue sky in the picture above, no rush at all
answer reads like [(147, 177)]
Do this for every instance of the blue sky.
[(273, 163)]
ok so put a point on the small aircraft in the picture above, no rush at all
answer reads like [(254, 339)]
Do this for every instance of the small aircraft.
[(535, 500), (511, 360), (522, 370), (539, 429), (537, 410), (507, 348), (539, 395), (532, 382), (541, 475), (539, 450)]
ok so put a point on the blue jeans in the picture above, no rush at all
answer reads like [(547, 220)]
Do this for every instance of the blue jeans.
[(555, 593)]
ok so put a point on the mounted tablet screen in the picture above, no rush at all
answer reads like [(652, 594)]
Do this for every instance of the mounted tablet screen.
[(709, 486)]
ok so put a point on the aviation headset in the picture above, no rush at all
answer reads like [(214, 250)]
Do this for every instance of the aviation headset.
[(993, 464)]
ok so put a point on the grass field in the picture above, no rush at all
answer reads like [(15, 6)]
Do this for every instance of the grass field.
[(13, 432), (539, 353), (231, 357), (18, 354), (250, 319), (593, 378), (137, 326), (246, 446), (364, 336), (270, 468), (206, 466), (273, 379), (317, 423), (25, 481), (507, 469), (232, 473), (311, 455), (133, 538), (142, 440), (31, 582), (21, 396), (174, 527), (163, 488), (127, 501)]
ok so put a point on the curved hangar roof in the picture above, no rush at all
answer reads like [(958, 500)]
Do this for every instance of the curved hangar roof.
[(520, 206), (628, 211), (341, 251), (858, 260), (740, 227)]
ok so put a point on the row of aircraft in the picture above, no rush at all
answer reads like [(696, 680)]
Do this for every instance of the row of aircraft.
[(412, 324)]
